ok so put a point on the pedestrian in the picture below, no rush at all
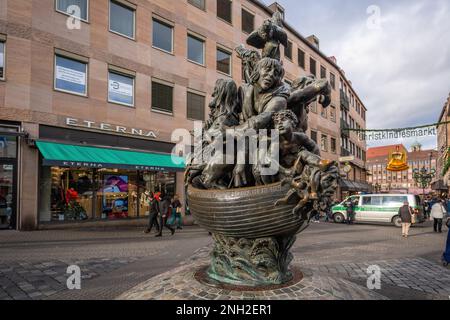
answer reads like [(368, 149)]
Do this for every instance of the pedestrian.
[(176, 212), (437, 213), (164, 208), (154, 213), (406, 214), (350, 211), (446, 256)]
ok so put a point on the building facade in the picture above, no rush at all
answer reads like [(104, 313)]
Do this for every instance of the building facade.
[(80, 97), (386, 181), (442, 181)]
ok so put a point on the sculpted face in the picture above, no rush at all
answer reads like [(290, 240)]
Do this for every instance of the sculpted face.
[(268, 78), (284, 126)]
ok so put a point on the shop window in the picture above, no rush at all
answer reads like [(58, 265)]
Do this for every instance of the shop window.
[(301, 59), (162, 36), (70, 75), (313, 67), (224, 10), (77, 8), (121, 19), (223, 61), (248, 21), (196, 50), (162, 97), (198, 3), (288, 51), (121, 88), (2, 60), (195, 106)]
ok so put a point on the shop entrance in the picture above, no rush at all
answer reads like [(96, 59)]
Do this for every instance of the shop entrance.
[(8, 194)]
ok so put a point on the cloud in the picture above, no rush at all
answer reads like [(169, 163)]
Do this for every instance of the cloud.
[(402, 71)]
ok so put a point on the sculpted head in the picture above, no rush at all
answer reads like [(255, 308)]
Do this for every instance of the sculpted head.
[(268, 74), (285, 122)]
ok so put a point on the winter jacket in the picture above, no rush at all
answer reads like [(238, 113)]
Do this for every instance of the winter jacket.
[(438, 211)]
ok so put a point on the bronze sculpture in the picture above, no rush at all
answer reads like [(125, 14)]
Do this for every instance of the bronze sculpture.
[(254, 214)]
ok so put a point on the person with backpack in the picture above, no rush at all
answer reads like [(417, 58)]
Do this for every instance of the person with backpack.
[(406, 214), (438, 211)]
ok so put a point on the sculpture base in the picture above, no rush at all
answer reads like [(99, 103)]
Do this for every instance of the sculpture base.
[(251, 262)]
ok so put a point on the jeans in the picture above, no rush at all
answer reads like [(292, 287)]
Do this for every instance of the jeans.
[(437, 225), (405, 228), (153, 221)]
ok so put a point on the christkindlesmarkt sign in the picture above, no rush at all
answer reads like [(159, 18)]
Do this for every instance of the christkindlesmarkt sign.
[(368, 135)]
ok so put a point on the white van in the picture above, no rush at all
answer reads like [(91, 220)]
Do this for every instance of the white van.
[(378, 208)]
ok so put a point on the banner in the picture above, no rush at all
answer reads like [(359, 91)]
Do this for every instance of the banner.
[(70, 75)]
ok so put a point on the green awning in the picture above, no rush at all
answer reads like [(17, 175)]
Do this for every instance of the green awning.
[(66, 155)]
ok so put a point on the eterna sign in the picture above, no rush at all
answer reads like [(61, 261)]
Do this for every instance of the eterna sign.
[(72, 122)]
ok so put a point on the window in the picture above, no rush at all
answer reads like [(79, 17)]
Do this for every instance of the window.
[(224, 10), (198, 3), (288, 50), (372, 201), (121, 19), (324, 143), (313, 107), (314, 136), (333, 145), (223, 61), (392, 201), (248, 21), (121, 88), (196, 50), (333, 81), (80, 10), (323, 72), (70, 75), (312, 66), (162, 97), (301, 59), (333, 113), (324, 113), (162, 36), (2, 60), (195, 106)]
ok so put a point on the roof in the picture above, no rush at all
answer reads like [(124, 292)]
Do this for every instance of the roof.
[(383, 151), (310, 45)]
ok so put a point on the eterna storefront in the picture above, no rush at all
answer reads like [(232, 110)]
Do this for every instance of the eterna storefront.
[(92, 172)]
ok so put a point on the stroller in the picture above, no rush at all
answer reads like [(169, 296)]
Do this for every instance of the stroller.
[(446, 255)]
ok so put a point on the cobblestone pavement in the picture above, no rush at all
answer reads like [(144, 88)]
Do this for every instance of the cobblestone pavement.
[(114, 261)]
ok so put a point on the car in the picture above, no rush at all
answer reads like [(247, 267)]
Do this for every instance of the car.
[(382, 208)]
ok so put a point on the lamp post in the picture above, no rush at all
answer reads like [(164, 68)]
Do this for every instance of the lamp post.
[(423, 177)]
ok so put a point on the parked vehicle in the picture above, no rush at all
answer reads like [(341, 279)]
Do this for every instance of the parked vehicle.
[(379, 208)]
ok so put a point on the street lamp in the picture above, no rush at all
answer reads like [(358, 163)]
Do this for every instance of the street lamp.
[(423, 177)]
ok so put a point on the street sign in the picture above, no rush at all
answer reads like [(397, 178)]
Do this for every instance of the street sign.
[(347, 159)]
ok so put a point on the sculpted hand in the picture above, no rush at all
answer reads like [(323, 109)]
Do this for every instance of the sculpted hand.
[(240, 178)]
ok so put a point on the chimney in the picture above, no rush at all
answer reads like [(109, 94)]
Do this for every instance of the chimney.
[(314, 40), (276, 7)]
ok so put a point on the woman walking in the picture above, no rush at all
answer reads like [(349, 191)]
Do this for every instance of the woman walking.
[(406, 214), (176, 212), (437, 213)]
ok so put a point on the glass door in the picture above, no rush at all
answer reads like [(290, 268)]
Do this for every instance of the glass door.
[(7, 195)]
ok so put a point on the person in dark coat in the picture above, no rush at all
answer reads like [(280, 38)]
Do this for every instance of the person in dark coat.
[(350, 211), (406, 213), (165, 208), (154, 213)]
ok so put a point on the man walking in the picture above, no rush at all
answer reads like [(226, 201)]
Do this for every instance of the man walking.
[(154, 213), (164, 213), (437, 213), (406, 214)]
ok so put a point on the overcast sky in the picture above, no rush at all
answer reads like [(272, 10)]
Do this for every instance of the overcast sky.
[(398, 64)]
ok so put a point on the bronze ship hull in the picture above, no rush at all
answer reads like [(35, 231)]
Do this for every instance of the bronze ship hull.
[(245, 213)]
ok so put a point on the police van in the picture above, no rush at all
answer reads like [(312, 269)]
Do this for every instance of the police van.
[(379, 208)]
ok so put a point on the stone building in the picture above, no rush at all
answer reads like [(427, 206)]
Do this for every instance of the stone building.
[(77, 95), (385, 181), (442, 181)]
